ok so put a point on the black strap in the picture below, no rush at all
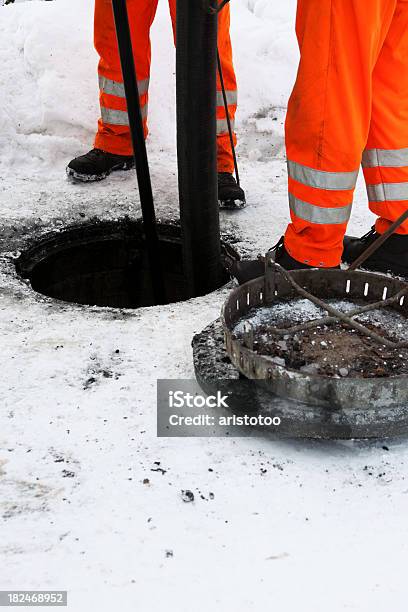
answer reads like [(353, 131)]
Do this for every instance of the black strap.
[(221, 6), (212, 6), (224, 95), (231, 135)]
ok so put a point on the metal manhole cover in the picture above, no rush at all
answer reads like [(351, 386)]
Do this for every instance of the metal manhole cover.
[(372, 292)]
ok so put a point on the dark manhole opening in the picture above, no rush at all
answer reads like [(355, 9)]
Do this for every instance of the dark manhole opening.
[(105, 264)]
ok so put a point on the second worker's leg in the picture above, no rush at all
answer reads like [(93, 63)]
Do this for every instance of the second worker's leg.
[(385, 159), (230, 194)]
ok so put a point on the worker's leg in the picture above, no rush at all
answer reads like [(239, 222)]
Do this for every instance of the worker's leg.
[(385, 159), (113, 127), (225, 158), (224, 153), (328, 120)]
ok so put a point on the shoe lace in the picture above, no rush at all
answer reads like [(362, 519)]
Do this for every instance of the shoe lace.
[(277, 246), (96, 153)]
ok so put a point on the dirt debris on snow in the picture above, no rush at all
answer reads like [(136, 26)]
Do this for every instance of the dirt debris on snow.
[(187, 496)]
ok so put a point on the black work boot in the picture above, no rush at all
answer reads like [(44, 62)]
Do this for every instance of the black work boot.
[(230, 194), (97, 164), (391, 257), (244, 271)]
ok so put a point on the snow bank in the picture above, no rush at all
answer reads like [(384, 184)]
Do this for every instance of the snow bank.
[(265, 52), (48, 81), (49, 86)]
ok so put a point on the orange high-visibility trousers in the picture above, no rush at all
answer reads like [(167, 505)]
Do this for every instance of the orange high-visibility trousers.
[(349, 106), (113, 127)]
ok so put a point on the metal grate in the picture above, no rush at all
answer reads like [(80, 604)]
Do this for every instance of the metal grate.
[(376, 290)]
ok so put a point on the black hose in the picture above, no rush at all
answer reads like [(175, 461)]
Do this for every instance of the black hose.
[(139, 148), (196, 144)]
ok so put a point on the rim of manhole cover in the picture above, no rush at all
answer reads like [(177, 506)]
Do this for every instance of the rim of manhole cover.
[(214, 373), (314, 389)]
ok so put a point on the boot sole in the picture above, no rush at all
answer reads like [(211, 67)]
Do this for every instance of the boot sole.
[(232, 204), (94, 178)]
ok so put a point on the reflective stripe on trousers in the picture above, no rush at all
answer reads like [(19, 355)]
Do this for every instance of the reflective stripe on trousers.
[(318, 214), (385, 158), (222, 126), (113, 116), (332, 181), (232, 100), (326, 213), (115, 88), (377, 164)]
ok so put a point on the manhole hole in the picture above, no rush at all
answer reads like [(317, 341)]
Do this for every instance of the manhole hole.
[(105, 264)]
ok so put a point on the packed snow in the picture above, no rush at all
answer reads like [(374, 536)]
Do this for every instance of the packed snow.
[(285, 524)]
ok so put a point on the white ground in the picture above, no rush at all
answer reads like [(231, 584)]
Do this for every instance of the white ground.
[(318, 530)]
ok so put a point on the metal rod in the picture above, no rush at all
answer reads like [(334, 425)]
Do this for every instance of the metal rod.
[(379, 242), (139, 148), (197, 144)]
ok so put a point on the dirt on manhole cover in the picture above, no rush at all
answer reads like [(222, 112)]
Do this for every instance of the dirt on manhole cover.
[(331, 350)]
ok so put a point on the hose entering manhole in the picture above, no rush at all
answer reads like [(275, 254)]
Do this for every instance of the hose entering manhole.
[(106, 264), (196, 147)]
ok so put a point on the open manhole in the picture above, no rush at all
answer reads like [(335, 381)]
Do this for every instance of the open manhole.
[(105, 264)]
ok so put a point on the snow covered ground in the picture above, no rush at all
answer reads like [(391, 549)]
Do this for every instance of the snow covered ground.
[(292, 525)]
